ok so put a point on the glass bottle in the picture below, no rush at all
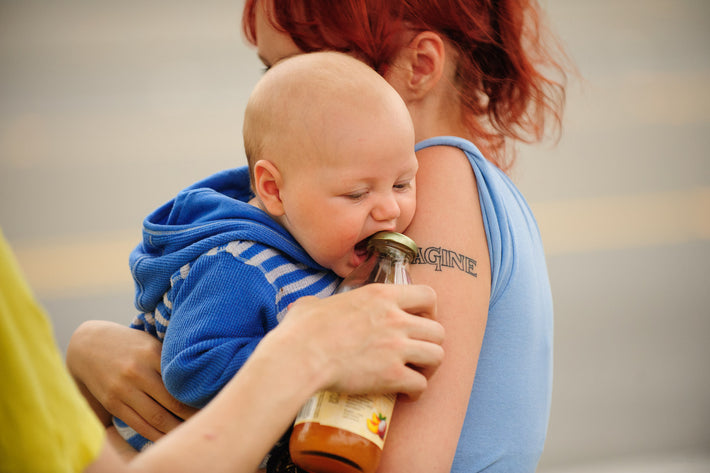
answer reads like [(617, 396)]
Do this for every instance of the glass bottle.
[(340, 433)]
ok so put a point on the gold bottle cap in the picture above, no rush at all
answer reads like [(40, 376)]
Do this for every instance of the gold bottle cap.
[(397, 238)]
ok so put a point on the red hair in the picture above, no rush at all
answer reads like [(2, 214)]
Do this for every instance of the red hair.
[(508, 80)]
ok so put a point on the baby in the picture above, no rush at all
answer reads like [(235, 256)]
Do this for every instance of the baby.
[(330, 147)]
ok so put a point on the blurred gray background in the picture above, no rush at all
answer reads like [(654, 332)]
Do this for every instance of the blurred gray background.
[(108, 108)]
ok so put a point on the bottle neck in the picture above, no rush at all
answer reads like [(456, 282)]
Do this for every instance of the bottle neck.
[(391, 266), (393, 251), (387, 263)]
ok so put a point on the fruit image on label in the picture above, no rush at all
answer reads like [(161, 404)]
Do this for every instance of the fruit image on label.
[(363, 415), (377, 424)]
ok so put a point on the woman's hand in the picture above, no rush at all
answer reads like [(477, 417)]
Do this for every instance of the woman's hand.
[(378, 338), (118, 370)]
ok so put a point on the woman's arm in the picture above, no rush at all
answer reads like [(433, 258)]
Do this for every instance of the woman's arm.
[(366, 340), (424, 434)]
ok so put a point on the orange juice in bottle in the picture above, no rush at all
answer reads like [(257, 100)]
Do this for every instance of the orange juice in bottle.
[(341, 433)]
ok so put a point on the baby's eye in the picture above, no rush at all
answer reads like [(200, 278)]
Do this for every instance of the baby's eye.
[(403, 185), (356, 195)]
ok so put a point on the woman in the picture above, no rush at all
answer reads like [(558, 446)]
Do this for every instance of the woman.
[(469, 72)]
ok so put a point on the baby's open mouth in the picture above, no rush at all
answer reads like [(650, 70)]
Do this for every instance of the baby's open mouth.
[(361, 248)]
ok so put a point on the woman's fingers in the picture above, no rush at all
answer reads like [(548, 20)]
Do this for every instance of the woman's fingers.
[(416, 312), (420, 328), (155, 388), (151, 410), (424, 355), (413, 384), (177, 411), (153, 420), (417, 299), (131, 416)]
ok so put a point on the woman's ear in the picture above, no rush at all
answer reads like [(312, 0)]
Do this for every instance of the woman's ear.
[(418, 66), (267, 183)]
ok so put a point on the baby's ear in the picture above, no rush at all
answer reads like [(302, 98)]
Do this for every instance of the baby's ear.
[(267, 183)]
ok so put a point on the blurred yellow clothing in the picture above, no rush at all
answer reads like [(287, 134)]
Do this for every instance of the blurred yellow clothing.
[(45, 423)]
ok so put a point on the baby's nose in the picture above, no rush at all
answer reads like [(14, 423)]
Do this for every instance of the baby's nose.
[(387, 209)]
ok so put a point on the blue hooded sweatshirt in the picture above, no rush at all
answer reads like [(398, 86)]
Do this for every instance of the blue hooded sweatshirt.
[(213, 275)]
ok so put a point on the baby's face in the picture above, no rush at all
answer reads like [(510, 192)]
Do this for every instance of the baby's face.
[(349, 173), (359, 182)]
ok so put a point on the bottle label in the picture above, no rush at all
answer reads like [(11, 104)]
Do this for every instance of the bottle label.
[(365, 415)]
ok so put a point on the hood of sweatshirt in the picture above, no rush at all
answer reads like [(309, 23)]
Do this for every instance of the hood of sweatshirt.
[(207, 214)]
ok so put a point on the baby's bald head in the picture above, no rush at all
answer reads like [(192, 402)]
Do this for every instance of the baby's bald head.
[(302, 102)]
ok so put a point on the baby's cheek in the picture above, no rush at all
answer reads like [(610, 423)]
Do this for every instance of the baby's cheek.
[(406, 216)]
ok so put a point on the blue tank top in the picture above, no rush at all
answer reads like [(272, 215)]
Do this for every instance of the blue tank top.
[(507, 416)]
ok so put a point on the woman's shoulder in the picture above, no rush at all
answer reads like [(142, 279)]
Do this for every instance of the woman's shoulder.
[(446, 143)]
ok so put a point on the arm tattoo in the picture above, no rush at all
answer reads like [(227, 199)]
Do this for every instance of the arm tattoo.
[(441, 257)]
